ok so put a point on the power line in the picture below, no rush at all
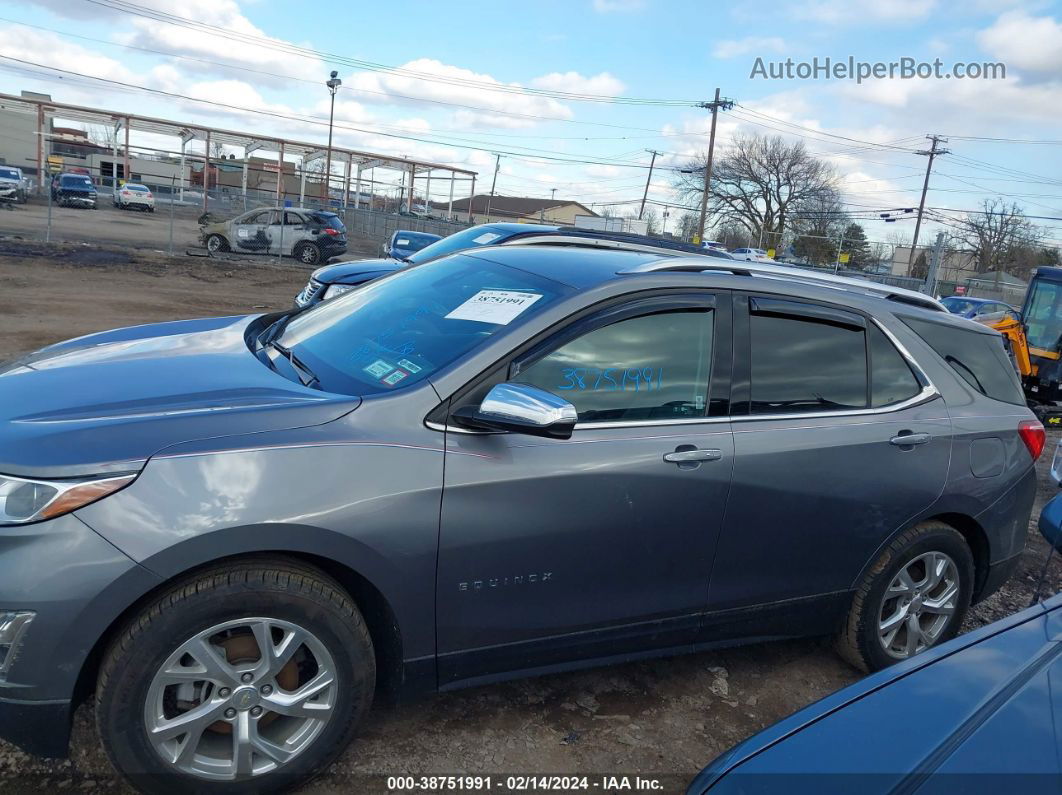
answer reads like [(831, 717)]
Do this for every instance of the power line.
[(602, 161), (306, 52)]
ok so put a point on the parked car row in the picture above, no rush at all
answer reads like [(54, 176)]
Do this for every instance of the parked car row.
[(558, 451)]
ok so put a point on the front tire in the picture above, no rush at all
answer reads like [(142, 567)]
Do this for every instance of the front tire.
[(216, 244), (247, 677), (914, 597)]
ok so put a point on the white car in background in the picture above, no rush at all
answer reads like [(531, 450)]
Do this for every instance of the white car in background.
[(753, 255), (134, 195)]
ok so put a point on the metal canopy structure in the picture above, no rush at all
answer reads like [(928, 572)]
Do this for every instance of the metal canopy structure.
[(354, 163)]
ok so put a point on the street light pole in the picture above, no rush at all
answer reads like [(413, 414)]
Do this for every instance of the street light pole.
[(333, 85)]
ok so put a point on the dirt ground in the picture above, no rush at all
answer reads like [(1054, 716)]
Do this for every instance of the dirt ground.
[(666, 717)]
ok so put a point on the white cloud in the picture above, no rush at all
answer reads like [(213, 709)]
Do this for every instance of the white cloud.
[(617, 6), (844, 12), (1024, 41), (454, 87), (758, 45), (575, 83)]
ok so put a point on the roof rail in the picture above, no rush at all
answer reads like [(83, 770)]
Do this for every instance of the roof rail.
[(763, 271)]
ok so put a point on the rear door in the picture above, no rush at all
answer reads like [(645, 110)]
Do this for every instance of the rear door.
[(839, 441)]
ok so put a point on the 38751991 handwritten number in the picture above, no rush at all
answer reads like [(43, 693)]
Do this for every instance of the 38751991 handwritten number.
[(596, 379)]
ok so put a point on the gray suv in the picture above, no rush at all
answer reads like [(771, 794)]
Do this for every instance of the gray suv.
[(236, 532)]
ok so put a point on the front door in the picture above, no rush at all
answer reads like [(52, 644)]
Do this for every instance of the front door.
[(838, 444), (599, 545), (251, 233)]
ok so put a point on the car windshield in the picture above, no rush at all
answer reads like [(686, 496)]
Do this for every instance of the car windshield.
[(8, 173), (467, 238), (76, 182), (413, 241), (402, 329), (957, 306), (329, 219)]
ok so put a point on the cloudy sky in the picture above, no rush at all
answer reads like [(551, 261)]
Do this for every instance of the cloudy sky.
[(574, 92)]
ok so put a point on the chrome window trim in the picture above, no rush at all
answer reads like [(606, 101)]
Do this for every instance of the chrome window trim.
[(929, 392)]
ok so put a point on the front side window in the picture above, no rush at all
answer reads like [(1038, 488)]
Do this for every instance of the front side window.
[(258, 218), (802, 363), (647, 368)]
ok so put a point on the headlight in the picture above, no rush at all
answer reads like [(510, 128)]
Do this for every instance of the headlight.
[(23, 501), (339, 289)]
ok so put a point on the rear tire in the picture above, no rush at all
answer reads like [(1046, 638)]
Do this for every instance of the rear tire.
[(212, 630), (914, 597)]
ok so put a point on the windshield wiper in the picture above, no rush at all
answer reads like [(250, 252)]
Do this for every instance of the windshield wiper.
[(306, 375)]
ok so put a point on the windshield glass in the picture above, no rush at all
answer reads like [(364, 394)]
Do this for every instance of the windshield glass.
[(8, 173), (402, 329), (1042, 315), (76, 182), (413, 241), (957, 306), (473, 237)]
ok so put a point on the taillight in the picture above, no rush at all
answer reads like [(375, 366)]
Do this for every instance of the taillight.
[(330, 231), (1032, 433)]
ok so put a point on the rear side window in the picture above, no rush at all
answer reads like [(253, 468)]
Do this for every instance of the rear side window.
[(979, 359), (802, 363), (891, 379), (329, 219)]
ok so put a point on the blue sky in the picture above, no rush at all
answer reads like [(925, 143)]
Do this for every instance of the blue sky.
[(648, 49)]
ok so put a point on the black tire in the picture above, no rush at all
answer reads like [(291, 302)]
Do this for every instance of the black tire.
[(307, 253), (859, 642), (257, 587), (216, 244)]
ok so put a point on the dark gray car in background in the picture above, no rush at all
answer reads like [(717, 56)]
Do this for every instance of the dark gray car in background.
[(236, 531)]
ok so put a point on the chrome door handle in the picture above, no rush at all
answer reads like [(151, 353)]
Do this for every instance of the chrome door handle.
[(686, 456), (910, 439)]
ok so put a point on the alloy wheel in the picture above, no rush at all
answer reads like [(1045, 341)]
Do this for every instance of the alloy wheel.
[(918, 605), (241, 699)]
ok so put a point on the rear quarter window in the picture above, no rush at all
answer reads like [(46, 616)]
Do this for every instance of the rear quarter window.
[(979, 359)]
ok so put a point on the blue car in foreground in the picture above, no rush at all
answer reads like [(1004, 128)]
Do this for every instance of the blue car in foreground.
[(979, 714)]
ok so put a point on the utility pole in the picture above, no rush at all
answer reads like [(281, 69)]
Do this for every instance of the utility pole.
[(648, 179), (553, 194), (493, 184), (713, 106), (932, 152)]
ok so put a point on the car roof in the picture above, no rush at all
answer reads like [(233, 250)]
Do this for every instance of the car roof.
[(584, 267)]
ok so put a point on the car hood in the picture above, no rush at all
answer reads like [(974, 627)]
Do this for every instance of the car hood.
[(108, 402), (976, 704), (355, 272)]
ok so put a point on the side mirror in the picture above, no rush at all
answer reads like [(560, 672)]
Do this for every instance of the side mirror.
[(1051, 522), (521, 408)]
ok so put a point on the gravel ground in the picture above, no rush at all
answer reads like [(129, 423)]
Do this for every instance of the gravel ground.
[(665, 717)]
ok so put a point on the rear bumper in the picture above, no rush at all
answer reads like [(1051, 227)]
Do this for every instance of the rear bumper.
[(37, 727)]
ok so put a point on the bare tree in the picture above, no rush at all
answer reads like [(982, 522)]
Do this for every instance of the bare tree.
[(687, 225), (758, 182), (999, 235)]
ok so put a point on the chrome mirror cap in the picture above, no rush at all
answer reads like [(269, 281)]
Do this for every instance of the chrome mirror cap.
[(522, 408)]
